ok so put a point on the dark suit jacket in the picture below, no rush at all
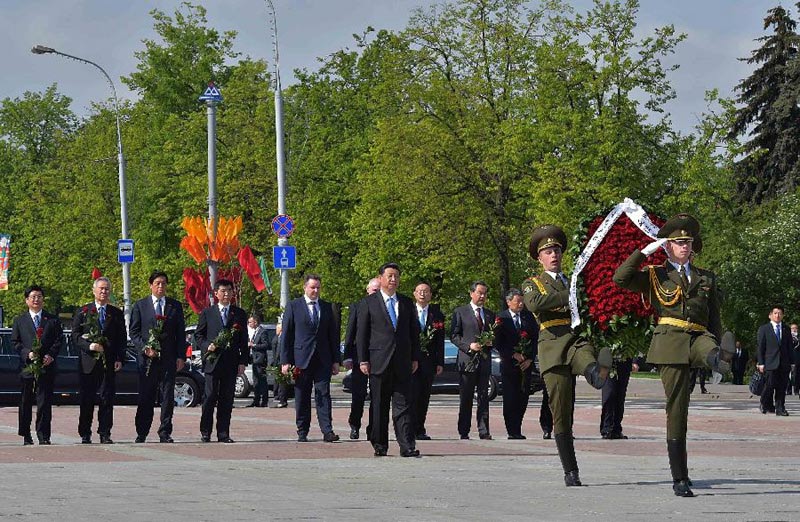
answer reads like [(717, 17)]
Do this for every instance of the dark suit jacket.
[(464, 331), (173, 336), (771, 353), (209, 325), (300, 339), (350, 351), (262, 344), (506, 336), (23, 334), (435, 355), (378, 343), (113, 330)]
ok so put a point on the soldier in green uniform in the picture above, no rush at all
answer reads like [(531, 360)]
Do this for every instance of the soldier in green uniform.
[(687, 303), (562, 353)]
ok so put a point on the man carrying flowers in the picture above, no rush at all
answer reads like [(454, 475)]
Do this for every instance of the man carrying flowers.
[(689, 328), (562, 353), (221, 336)]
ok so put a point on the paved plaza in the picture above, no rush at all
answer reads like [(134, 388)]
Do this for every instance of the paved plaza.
[(745, 466)]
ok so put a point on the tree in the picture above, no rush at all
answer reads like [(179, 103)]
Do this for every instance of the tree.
[(770, 113)]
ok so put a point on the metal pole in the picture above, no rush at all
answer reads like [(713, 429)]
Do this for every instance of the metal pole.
[(211, 112), (123, 205), (279, 151)]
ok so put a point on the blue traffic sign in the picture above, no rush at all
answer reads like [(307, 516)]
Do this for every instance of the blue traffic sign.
[(284, 257), (125, 250), (282, 225), (211, 93)]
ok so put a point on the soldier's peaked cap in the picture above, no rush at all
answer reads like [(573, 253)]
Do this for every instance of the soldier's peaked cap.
[(546, 236), (682, 226)]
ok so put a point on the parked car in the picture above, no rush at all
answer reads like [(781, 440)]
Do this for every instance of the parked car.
[(244, 383), (447, 381), (189, 383)]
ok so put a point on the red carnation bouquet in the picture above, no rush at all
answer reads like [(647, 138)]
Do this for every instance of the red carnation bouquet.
[(427, 335), (617, 318)]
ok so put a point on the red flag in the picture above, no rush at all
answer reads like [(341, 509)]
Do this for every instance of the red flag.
[(197, 288), (248, 261), (96, 273)]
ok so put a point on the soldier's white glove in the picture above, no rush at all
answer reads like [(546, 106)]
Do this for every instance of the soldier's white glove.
[(652, 247)]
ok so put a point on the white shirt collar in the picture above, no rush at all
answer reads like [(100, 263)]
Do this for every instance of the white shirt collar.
[(421, 309), (34, 314), (156, 300), (309, 301), (475, 307), (387, 296), (98, 305), (554, 275)]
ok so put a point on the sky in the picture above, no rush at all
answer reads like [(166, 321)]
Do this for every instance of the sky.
[(109, 32)]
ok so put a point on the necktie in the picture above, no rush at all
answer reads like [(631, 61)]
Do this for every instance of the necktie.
[(516, 321), (778, 331), (422, 318), (479, 319), (224, 316), (159, 308), (102, 317), (36, 321), (392, 313), (684, 276), (314, 313)]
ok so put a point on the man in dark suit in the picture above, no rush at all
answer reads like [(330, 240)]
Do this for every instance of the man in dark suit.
[(260, 344), (431, 360), (281, 390), (614, 392), (222, 339), (795, 359), (473, 360), (310, 342), (387, 340), (36, 326), (157, 320), (739, 363), (515, 340), (774, 358), (358, 381), (98, 331)]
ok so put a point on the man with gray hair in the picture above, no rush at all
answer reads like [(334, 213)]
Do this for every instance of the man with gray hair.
[(98, 331), (358, 382)]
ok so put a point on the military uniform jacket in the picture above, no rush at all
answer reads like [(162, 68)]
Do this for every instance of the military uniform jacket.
[(548, 300), (698, 304)]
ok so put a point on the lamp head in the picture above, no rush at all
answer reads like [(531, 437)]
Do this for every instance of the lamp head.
[(41, 49)]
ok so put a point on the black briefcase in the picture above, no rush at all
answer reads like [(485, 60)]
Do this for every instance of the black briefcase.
[(757, 382)]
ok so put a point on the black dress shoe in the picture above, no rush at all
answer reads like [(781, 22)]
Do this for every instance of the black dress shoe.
[(410, 453), (205, 438), (606, 436), (330, 437), (782, 412), (106, 439), (86, 440), (465, 437), (618, 435), (252, 405), (486, 437), (166, 439), (44, 442), (264, 404), (226, 440), (281, 405), (517, 436), (140, 439), (302, 437), (681, 488), (423, 436), (571, 478), (353, 433), (380, 451), (547, 435), (27, 441)]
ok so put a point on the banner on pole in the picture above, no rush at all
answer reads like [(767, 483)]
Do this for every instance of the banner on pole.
[(5, 253)]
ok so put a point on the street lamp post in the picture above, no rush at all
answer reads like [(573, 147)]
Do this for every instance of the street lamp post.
[(279, 152), (123, 206)]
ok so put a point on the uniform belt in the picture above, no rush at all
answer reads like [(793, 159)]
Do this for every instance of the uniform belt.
[(554, 322), (680, 323)]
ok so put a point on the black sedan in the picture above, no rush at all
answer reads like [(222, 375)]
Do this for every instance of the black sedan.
[(447, 381), (188, 382)]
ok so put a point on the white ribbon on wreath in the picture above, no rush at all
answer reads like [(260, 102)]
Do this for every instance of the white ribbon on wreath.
[(635, 213)]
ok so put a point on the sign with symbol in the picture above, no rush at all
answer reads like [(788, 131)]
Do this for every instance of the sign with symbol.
[(282, 225), (125, 250), (284, 257), (211, 94)]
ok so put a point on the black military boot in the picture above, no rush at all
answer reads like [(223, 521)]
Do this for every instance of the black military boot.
[(676, 449), (566, 451), (597, 373)]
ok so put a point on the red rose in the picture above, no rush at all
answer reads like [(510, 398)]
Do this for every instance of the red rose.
[(296, 373), (85, 309), (523, 334), (39, 332), (161, 318)]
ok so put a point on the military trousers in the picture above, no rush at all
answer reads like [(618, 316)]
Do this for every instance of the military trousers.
[(560, 385)]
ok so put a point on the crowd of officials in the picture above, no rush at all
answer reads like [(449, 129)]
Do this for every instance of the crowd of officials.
[(395, 346)]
